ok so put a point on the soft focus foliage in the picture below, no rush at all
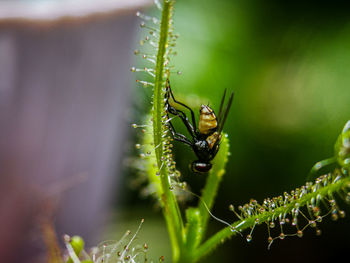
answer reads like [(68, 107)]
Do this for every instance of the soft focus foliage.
[(288, 64)]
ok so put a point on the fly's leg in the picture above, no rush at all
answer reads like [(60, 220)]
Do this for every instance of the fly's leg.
[(178, 136), (169, 93), (170, 109), (184, 119)]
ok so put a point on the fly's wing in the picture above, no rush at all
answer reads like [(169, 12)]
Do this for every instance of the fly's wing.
[(223, 113), (221, 106)]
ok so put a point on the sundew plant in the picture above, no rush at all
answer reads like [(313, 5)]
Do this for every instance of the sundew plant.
[(285, 215)]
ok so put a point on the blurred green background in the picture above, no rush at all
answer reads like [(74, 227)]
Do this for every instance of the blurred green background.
[(288, 63)]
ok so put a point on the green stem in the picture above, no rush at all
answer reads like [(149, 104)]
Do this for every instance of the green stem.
[(250, 222), (193, 230), (213, 181), (317, 169), (170, 206)]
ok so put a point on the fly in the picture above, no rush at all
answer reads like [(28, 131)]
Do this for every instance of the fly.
[(205, 140)]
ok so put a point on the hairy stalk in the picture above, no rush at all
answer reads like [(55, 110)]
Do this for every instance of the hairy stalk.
[(124, 250), (158, 94), (306, 195), (170, 207), (160, 166), (311, 196)]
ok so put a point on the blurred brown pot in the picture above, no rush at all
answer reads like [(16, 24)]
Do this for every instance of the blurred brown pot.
[(64, 92)]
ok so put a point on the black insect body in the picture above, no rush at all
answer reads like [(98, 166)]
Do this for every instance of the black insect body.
[(205, 140)]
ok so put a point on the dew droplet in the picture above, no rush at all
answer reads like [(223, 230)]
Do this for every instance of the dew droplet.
[(347, 198), (300, 233), (143, 24), (342, 214), (134, 125), (269, 240), (137, 146), (249, 238), (282, 236), (316, 210), (66, 238), (312, 223), (318, 232), (136, 52), (157, 173), (231, 207), (332, 202), (272, 224), (334, 215), (319, 219)]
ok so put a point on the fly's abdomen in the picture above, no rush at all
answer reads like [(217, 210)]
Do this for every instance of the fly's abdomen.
[(213, 139), (207, 120)]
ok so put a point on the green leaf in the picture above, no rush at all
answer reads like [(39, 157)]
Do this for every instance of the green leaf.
[(213, 181)]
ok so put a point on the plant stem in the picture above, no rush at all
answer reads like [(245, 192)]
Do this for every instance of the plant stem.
[(241, 225), (170, 207), (212, 184)]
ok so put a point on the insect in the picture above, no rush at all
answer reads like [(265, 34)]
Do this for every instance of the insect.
[(205, 140)]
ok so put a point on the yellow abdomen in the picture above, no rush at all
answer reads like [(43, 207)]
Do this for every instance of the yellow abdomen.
[(213, 139), (207, 120)]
